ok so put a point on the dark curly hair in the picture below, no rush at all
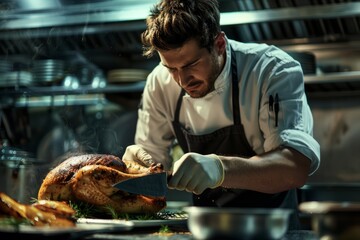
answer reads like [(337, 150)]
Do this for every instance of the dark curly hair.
[(173, 22)]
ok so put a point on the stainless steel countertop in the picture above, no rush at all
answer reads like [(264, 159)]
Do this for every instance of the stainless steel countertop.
[(291, 235)]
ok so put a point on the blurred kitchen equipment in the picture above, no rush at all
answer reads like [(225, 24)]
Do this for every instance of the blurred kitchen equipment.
[(334, 220), (129, 100), (330, 192), (237, 223), (14, 73), (126, 75), (48, 71), (16, 78), (71, 82), (59, 140), (119, 133), (176, 206), (307, 61), (20, 173), (85, 73), (6, 65), (98, 80), (15, 122)]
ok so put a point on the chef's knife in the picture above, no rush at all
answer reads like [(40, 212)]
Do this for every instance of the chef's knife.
[(150, 185)]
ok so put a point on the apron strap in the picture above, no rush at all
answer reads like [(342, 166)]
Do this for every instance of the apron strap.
[(235, 89), (178, 105), (180, 137)]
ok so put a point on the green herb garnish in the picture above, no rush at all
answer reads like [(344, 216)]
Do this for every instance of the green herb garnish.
[(83, 209), (164, 229), (11, 221), (87, 210)]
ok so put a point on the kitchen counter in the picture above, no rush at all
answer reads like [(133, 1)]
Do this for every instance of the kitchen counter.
[(145, 230), (179, 232), (185, 235)]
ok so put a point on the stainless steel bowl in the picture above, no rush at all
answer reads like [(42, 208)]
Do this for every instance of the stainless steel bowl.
[(237, 223)]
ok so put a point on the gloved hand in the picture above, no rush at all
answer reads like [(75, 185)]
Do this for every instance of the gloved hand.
[(137, 154), (195, 172)]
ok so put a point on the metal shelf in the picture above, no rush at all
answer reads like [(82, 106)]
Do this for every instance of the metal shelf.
[(77, 14), (298, 13), (334, 84), (58, 101), (54, 96), (60, 90), (127, 11), (340, 84), (336, 77)]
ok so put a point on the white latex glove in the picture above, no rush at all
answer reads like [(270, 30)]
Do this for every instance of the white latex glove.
[(138, 154), (194, 172)]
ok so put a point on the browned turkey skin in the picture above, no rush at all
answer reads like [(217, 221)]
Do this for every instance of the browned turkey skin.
[(89, 178), (42, 213)]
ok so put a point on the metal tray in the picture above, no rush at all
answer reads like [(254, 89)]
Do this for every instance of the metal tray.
[(80, 230), (135, 223)]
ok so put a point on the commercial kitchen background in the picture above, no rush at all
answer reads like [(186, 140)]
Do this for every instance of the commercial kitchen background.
[(72, 73)]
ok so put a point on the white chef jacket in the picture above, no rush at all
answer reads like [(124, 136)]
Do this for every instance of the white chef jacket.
[(263, 70)]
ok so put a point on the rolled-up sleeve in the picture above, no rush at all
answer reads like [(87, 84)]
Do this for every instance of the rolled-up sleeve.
[(294, 130), (292, 125)]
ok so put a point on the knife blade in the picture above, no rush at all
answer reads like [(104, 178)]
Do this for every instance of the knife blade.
[(154, 185)]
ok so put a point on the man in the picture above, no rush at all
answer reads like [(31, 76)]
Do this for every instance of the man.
[(238, 111)]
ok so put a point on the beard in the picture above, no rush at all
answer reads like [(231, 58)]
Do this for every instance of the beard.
[(208, 85)]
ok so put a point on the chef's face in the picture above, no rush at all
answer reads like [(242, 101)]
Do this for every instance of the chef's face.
[(195, 69)]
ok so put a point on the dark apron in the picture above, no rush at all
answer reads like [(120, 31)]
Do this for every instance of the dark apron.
[(230, 141)]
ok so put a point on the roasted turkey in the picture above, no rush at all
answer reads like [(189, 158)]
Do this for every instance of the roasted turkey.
[(41, 213), (89, 178)]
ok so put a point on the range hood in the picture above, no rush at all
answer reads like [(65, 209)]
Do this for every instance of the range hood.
[(114, 21), (108, 31)]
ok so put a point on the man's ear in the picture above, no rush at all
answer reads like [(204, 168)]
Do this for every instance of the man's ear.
[(220, 43)]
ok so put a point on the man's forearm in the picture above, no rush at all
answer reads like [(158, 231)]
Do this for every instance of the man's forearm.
[(272, 172)]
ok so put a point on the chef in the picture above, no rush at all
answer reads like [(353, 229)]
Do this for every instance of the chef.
[(238, 111)]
